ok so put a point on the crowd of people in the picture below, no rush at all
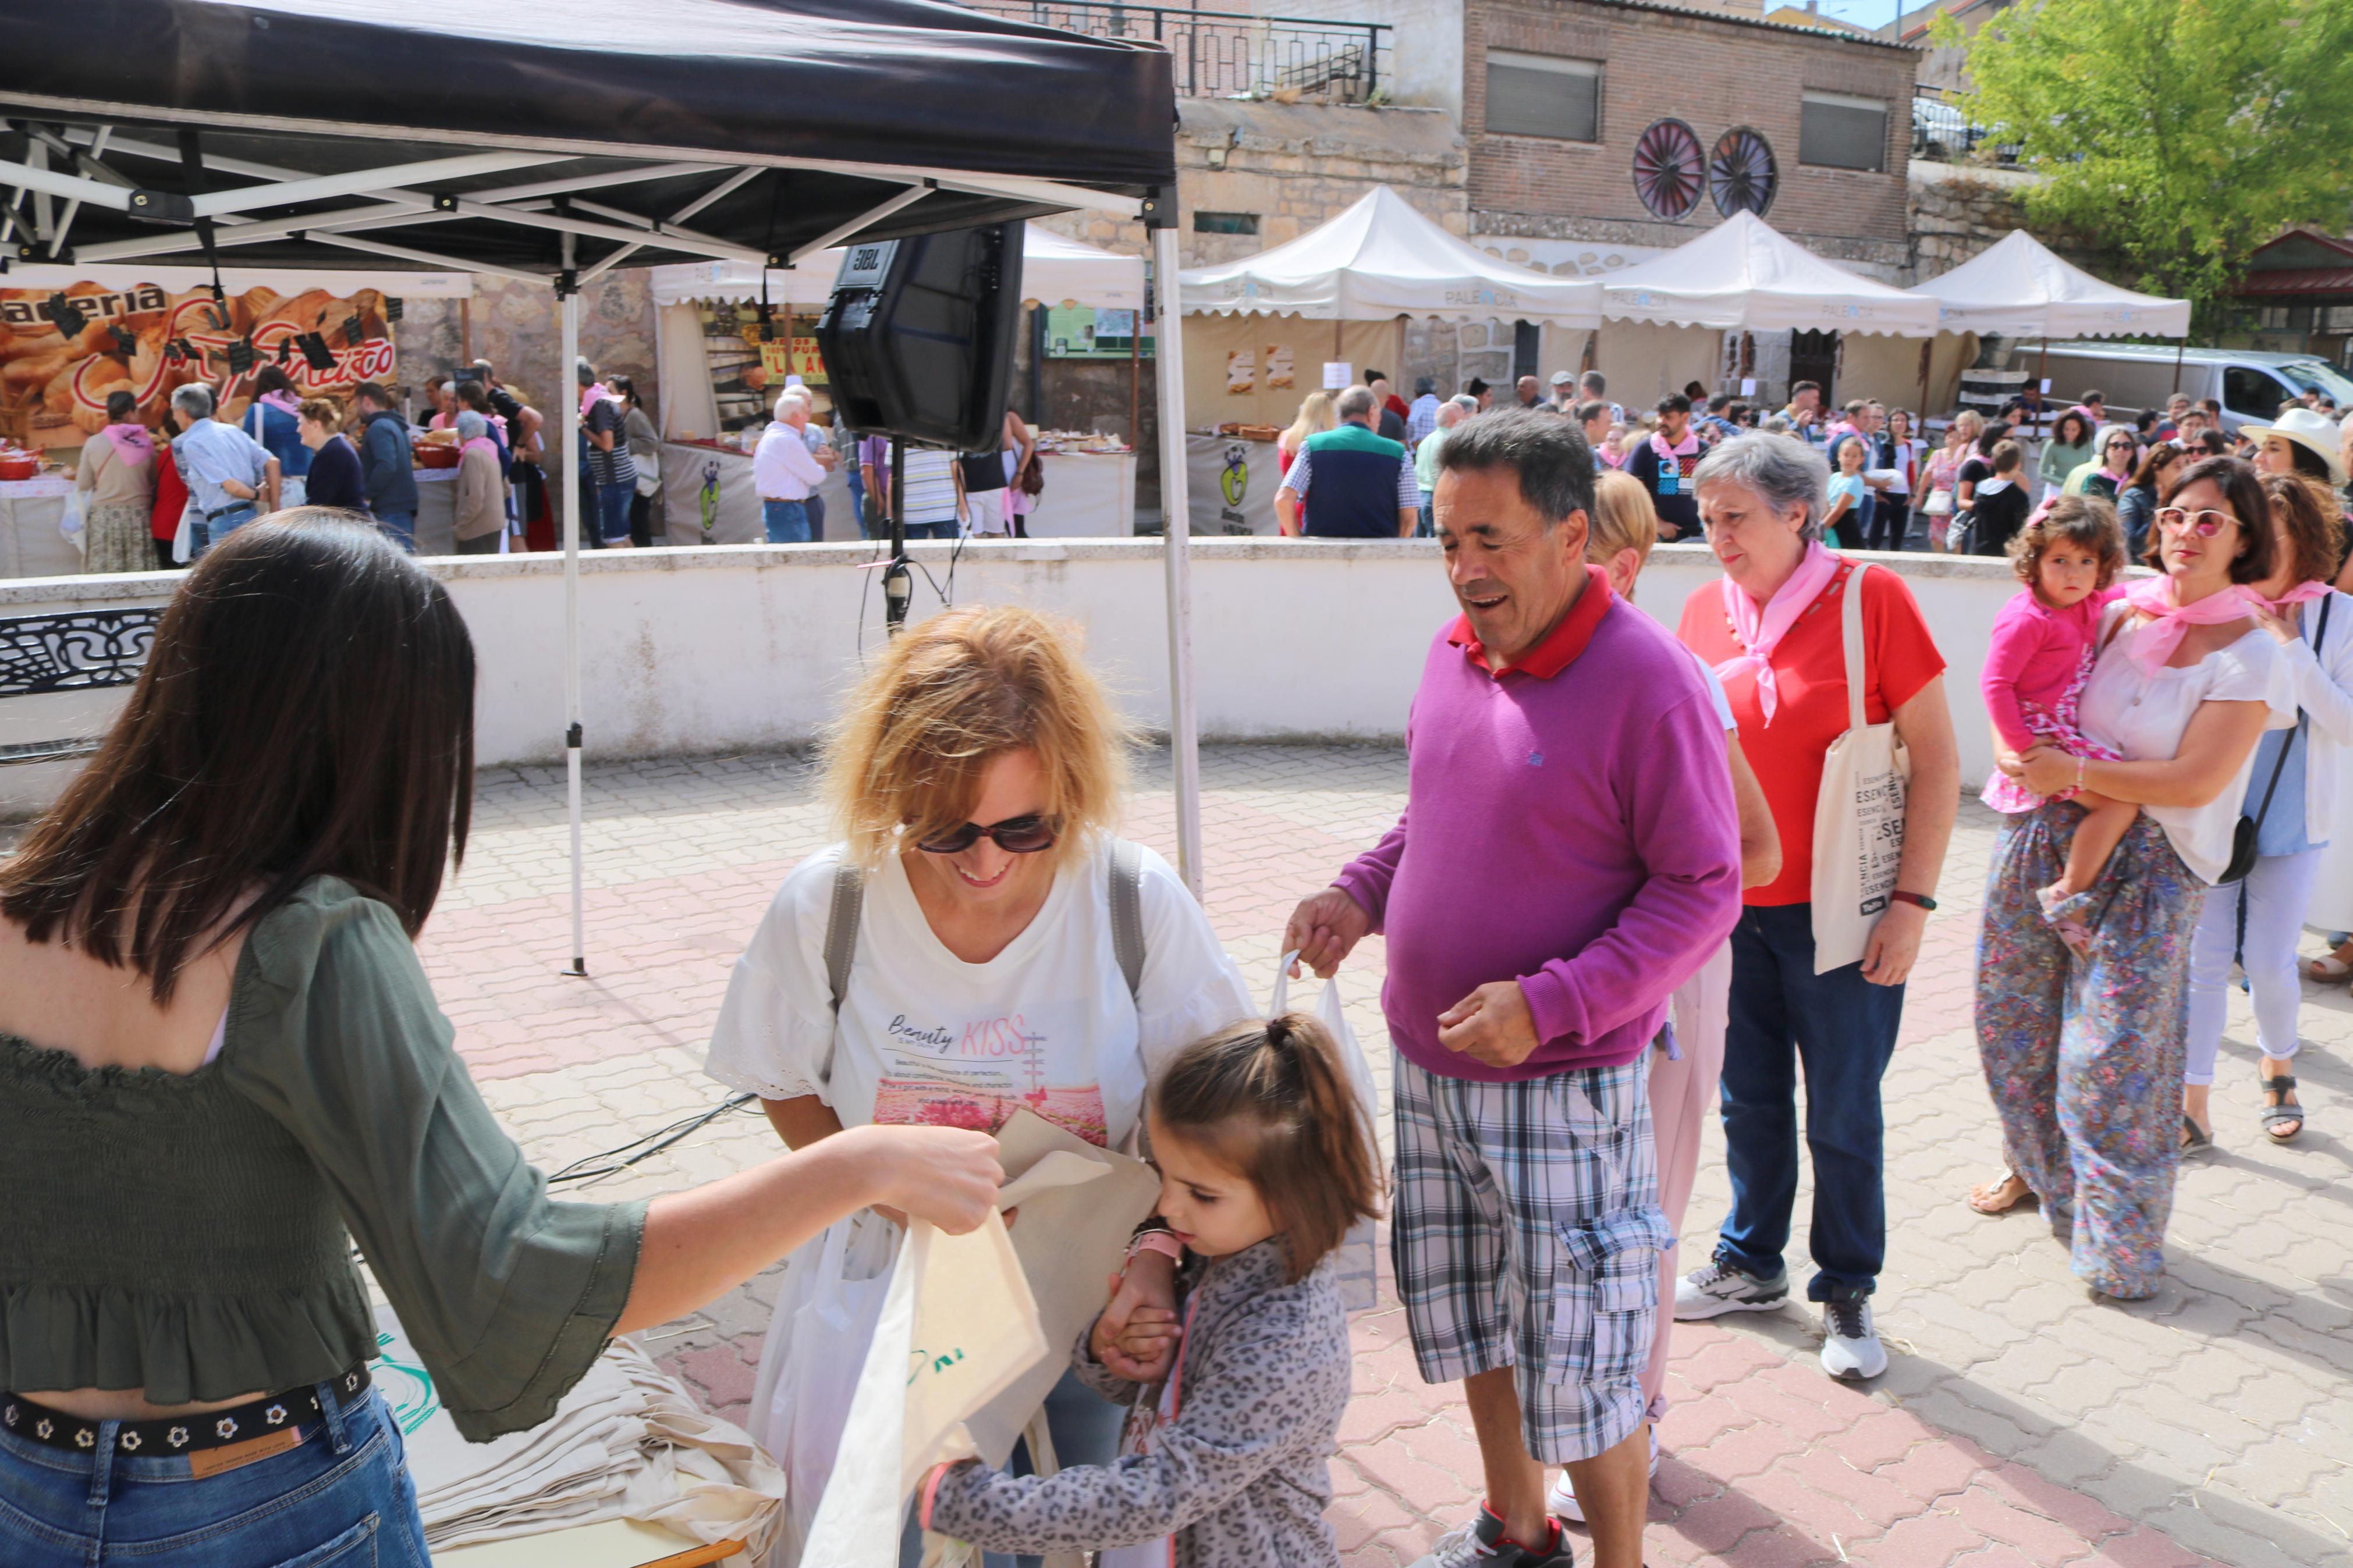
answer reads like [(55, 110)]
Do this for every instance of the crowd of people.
[(1608, 909)]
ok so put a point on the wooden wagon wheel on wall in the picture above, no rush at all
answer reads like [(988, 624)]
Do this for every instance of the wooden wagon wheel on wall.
[(1742, 176), (1669, 169)]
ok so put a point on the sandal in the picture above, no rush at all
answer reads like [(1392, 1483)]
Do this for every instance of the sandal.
[(2284, 1110), (2328, 969), (1989, 1197), (2072, 932), (2194, 1137)]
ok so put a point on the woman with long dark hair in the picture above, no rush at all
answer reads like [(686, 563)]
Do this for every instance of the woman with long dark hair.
[(220, 1065)]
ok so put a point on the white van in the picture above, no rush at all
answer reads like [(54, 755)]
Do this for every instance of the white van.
[(2134, 376)]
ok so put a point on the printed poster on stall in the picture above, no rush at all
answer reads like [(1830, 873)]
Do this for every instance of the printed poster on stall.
[(64, 351), (1081, 332)]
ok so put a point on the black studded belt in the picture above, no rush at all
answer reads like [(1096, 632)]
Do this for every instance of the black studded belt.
[(37, 1423)]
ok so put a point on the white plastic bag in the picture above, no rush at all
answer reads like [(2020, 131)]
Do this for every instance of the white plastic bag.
[(72, 524), (1359, 1275), (832, 1295), (957, 1328), (1859, 815)]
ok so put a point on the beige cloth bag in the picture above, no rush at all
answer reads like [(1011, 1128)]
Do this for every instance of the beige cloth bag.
[(1859, 815)]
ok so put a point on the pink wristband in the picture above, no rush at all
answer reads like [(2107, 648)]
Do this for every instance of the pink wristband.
[(1158, 1241), (932, 1490)]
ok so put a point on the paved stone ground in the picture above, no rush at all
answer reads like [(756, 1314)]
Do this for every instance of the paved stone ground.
[(2018, 1424)]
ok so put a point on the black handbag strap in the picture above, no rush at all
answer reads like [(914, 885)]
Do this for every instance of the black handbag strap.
[(2279, 764)]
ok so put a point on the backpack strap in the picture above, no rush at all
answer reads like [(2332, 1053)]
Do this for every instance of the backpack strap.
[(1127, 913), (841, 929)]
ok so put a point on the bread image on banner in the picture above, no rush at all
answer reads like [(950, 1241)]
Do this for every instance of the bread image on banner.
[(149, 341), (1240, 372), (1278, 367)]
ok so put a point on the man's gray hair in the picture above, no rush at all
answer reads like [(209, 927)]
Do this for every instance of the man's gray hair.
[(195, 401), (1465, 402), (1356, 403), (1782, 471), (1548, 455), (471, 426), (584, 371)]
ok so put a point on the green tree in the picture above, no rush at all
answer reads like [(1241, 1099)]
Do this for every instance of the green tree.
[(2181, 132)]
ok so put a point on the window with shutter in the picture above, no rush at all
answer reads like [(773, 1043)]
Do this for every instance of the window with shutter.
[(1835, 132), (1544, 95)]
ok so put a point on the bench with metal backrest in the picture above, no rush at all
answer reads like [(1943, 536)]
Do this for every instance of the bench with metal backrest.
[(84, 650)]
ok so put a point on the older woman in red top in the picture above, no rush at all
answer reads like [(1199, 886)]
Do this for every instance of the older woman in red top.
[(1772, 630)]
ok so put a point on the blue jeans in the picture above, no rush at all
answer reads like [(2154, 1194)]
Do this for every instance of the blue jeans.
[(611, 525), (209, 532), (946, 529), (1085, 1429), (1427, 527), (816, 504), (340, 1499), (1841, 1029), (400, 525), (857, 483), (788, 522)]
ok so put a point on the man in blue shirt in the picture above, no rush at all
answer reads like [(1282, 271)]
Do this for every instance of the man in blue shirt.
[(1367, 489), (386, 465), (228, 474)]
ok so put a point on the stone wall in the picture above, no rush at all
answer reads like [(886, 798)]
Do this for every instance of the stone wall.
[(517, 327)]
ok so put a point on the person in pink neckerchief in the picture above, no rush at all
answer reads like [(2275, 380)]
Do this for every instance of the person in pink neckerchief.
[(1664, 465)]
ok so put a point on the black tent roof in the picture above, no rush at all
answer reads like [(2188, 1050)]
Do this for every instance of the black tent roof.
[(749, 128)]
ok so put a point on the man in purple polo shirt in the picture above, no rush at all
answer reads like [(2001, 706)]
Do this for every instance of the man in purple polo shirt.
[(1569, 854)]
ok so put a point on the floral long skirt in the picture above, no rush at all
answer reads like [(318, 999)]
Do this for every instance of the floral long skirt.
[(2084, 1057), (117, 539)]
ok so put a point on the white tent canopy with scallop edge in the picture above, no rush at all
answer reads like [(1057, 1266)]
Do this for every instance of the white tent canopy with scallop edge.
[(1744, 275), (2018, 288), (1380, 260)]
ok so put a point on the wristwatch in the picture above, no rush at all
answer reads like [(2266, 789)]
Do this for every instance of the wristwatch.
[(1923, 899)]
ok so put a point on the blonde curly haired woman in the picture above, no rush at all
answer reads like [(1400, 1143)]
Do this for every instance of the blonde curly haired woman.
[(977, 773)]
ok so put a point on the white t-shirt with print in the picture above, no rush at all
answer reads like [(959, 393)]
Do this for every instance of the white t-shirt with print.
[(927, 1038), (2143, 716)]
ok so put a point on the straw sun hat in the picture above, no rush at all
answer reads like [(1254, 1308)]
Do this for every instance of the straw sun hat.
[(2309, 428)]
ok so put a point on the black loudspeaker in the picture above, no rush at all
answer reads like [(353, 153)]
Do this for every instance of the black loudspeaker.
[(918, 336)]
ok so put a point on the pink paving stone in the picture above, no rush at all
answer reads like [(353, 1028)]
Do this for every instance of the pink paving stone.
[(1930, 1538), (1882, 1437), (1750, 1451), (1877, 1502), (1373, 1416), (1366, 1515), (1778, 1407), (1727, 1360), (2004, 1557), (2141, 1547), (1781, 1547), (1443, 1445), (1696, 1423), (1389, 1467), (2036, 1534), (718, 1370), (1714, 1524), (2081, 1514), (1679, 1484), (1933, 1471)]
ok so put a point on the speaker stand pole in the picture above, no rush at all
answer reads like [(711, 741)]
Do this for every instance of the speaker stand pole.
[(898, 585), (568, 428), (1176, 537)]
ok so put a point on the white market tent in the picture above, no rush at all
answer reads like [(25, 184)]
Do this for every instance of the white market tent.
[(1380, 260), (2020, 288), (1054, 271), (1744, 275)]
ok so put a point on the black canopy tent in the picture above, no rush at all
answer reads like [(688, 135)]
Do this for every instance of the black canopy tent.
[(550, 141)]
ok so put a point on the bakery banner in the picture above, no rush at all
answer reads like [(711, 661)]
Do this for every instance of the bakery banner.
[(64, 351)]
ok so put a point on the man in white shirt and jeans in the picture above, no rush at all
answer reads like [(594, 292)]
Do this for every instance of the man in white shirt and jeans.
[(786, 471)]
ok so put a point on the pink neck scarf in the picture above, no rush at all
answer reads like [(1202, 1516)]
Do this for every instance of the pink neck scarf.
[(589, 396), (485, 443), (284, 401), (1760, 631), (131, 442), (2154, 596), (2303, 592), (1689, 445)]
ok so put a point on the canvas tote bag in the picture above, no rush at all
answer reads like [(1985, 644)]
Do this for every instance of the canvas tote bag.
[(1859, 815)]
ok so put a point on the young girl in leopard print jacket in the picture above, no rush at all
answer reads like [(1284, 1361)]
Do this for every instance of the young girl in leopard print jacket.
[(1265, 1161)]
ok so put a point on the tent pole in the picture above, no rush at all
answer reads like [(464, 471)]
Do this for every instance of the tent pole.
[(568, 426), (1176, 543), (2180, 345)]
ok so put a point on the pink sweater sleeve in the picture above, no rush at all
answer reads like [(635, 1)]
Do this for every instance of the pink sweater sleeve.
[(2020, 633)]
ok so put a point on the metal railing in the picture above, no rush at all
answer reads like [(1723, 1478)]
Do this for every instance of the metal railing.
[(1226, 53)]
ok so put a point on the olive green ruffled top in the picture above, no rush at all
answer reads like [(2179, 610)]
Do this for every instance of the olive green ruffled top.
[(190, 1234)]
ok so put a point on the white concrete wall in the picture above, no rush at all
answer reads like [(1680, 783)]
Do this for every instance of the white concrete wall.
[(744, 646)]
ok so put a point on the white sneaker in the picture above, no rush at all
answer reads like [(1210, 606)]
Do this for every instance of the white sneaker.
[(1721, 1287), (1851, 1347), (1562, 1498)]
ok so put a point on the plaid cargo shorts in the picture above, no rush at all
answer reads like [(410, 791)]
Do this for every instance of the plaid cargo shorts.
[(1525, 1232)]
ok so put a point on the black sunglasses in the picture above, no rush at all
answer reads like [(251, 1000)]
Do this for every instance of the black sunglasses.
[(1015, 836)]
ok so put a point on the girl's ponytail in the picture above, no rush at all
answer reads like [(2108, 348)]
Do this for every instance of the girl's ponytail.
[(1274, 1101)]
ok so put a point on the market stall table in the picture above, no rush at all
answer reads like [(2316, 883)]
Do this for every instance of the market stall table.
[(30, 543), (437, 510), (1088, 495)]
